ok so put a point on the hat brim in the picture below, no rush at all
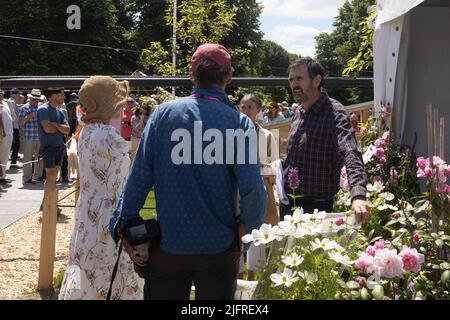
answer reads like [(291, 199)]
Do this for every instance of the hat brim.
[(34, 97)]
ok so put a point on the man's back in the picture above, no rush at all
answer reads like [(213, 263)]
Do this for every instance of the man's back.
[(196, 202)]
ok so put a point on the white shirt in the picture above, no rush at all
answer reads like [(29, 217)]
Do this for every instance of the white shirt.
[(7, 119)]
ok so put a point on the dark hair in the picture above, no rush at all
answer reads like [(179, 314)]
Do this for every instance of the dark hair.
[(254, 98), (314, 68), (210, 73), (51, 91)]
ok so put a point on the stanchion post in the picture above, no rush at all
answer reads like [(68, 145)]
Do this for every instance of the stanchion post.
[(48, 239)]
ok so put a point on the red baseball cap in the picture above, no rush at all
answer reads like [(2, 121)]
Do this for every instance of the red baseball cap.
[(211, 51)]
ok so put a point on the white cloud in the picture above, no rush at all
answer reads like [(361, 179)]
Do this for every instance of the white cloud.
[(295, 39), (310, 9)]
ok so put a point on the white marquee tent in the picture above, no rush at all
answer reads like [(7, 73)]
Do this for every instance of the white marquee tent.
[(412, 66)]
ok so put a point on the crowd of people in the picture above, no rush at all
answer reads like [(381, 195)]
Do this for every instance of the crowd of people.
[(203, 209)]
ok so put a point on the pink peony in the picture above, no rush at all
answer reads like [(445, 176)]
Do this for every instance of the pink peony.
[(380, 143), (379, 153), (428, 172), (412, 260), (339, 221), (389, 263)]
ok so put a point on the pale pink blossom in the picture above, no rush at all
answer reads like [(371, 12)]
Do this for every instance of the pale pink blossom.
[(412, 260), (385, 136), (389, 263)]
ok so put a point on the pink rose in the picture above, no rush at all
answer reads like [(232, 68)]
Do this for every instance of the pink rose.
[(421, 163), (364, 262), (389, 263), (412, 260), (382, 160), (379, 244), (339, 221), (428, 172), (371, 250), (380, 143), (416, 238)]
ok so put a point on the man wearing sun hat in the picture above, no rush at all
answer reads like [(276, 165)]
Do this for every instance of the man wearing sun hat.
[(200, 235), (28, 121)]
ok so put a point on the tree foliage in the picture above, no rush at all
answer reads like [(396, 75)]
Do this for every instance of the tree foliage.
[(334, 50)]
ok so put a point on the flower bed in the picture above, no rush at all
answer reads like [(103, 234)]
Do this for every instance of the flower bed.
[(401, 252)]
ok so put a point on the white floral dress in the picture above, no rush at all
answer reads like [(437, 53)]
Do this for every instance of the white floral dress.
[(104, 165)]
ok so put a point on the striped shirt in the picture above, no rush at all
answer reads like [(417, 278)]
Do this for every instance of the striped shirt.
[(30, 128), (320, 142)]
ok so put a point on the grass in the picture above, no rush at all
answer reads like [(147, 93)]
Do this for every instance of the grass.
[(150, 202)]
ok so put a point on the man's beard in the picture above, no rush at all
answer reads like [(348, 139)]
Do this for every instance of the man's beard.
[(300, 96)]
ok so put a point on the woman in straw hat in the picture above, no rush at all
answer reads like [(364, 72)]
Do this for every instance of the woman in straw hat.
[(103, 164)]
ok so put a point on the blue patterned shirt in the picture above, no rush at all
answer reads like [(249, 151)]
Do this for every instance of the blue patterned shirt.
[(30, 128), (195, 203)]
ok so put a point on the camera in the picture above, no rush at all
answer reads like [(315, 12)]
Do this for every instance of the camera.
[(139, 233)]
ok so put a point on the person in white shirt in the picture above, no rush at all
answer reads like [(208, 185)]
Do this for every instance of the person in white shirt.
[(6, 136)]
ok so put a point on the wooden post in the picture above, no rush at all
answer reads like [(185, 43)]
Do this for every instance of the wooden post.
[(442, 138), (430, 130), (436, 131), (48, 238)]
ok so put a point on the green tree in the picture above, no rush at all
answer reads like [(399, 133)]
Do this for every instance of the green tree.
[(198, 21), (335, 49), (103, 23)]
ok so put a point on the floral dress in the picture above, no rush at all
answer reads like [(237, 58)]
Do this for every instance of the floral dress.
[(104, 164)]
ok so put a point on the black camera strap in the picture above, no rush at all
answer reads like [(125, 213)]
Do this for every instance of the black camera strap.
[(114, 273)]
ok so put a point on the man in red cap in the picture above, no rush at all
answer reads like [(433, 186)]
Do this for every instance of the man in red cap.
[(195, 188)]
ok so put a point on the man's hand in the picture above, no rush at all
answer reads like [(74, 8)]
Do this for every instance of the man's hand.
[(140, 261), (361, 210)]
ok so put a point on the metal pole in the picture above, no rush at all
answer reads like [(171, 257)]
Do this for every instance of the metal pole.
[(174, 43)]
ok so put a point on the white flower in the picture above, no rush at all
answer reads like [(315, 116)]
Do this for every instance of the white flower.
[(290, 222), (339, 258), (319, 214), (377, 187), (302, 231), (324, 244), (310, 277), (287, 278), (265, 234), (387, 196), (292, 260)]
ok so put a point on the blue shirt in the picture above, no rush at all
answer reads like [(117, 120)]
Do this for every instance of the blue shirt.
[(195, 203), (30, 128), (46, 112)]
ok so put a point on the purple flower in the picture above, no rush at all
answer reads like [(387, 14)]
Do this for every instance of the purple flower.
[(361, 281), (411, 287), (293, 178)]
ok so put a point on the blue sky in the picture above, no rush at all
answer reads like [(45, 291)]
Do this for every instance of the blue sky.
[(293, 24)]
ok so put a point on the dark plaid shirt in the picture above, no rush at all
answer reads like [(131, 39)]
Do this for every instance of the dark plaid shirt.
[(320, 142)]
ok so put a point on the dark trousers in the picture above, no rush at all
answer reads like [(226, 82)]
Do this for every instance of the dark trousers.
[(64, 171), (308, 205), (170, 276), (15, 146)]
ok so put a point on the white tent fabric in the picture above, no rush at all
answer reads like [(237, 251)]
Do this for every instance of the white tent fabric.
[(412, 67)]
